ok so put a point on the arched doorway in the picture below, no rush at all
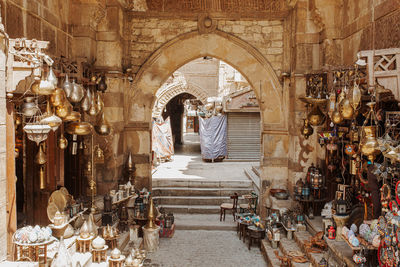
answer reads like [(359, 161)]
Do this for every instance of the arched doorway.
[(239, 54)]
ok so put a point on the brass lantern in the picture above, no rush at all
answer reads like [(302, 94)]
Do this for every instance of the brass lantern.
[(369, 145), (316, 117), (306, 130), (346, 109)]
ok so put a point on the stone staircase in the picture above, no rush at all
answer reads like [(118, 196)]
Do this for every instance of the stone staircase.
[(338, 253), (197, 196)]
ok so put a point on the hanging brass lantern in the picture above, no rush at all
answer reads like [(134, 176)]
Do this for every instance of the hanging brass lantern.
[(62, 142), (86, 102), (64, 109), (67, 86), (356, 96), (51, 77), (306, 130), (79, 128), (93, 111), (316, 117), (40, 157), (336, 117), (77, 93), (99, 104), (42, 178), (73, 116), (102, 127), (346, 109), (52, 120), (58, 97), (369, 145), (43, 87), (99, 155)]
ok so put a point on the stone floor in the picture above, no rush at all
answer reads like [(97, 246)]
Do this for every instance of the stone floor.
[(188, 164), (198, 248)]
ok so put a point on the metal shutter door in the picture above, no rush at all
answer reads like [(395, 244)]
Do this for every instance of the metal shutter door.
[(244, 136)]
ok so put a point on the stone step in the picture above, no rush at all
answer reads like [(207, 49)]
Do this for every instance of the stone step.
[(300, 238), (338, 251), (208, 222), (286, 246), (199, 209), (254, 178), (193, 200), (197, 191), (269, 254), (315, 258), (201, 183)]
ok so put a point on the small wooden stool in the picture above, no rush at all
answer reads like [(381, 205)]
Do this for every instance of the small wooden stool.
[(99, 255), (111, 242), (242, 230), (116, 262), (83, 244)]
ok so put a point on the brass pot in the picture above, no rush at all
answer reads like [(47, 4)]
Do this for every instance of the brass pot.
[(306, 130), (64, 109), (346, 109), (316, 117), (79, 128), (62, 142), (369, 145), (58, 97), (73, 116)]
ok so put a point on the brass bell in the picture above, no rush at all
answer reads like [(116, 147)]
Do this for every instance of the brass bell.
[(62, 142), (42, 178), (306, 130), (40, 157), (316, 117)]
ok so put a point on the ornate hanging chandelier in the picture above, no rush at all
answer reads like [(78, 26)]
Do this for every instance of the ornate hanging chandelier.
[(37, 131)]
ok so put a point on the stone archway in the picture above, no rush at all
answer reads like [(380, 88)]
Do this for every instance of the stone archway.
[(240, 55), (178, 86)]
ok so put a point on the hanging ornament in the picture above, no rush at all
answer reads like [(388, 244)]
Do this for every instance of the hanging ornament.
[(93, 111), (52, 78), (64, 109), (52, 120), (77, 93), (316, 117), (356, 96), (102, 86), (103, 127), (79, 128), (62, 142), (86, 102), (99, 104), (40, 157), (58, 97), (306, 129), (369, 146), (29, 108), (67, 86), (36, 131), (42, 178)]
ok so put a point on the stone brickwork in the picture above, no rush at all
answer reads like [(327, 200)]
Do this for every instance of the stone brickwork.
[(149, 34), (40, 20)]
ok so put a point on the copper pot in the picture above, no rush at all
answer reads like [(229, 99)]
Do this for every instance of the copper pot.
[(316, 117), (79, 128)]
